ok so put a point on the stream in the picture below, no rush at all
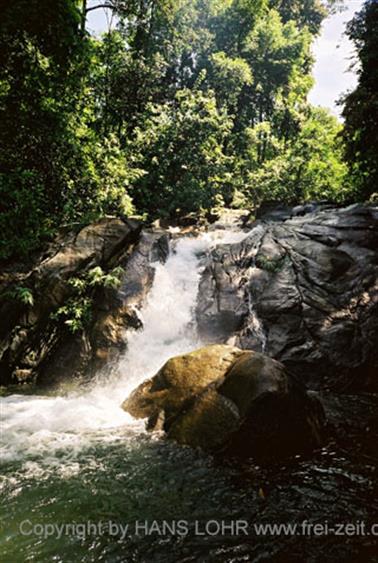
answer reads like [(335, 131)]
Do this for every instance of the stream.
[(83, 481)]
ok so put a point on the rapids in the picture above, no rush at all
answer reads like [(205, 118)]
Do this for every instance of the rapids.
[(80, 462), (32, 425)]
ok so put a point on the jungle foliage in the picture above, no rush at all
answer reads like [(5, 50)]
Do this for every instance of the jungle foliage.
[(184, 106)]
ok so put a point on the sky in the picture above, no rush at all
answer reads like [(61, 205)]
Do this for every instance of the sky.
[(332, 50), (333, 53)]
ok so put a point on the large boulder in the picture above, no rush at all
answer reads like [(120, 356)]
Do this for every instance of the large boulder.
[(222, 398), (302, 288)]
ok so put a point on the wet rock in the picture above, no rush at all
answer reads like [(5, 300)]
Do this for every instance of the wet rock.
[(222, 398), (94, 245), (179, 380), (274, 211), (34, 346), (160, 249), (223, 304), (305, 291)]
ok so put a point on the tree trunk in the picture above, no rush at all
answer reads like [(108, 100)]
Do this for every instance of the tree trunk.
[(83, 16)]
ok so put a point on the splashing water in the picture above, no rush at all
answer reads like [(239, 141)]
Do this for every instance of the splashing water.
[(44, 426), (80, 459)]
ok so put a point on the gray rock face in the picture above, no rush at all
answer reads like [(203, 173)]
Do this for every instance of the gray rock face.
[(221, 398), (304, 290), (34, 347)]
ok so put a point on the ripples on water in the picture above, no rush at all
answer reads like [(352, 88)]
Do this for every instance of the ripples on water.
[(136, 477), (81, 458)]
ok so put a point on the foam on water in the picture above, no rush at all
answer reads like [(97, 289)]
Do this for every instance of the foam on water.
[(44, 426)]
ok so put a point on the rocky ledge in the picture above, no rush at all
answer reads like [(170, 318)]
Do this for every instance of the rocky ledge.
[(303, 288), (224, 399), (65, 316)]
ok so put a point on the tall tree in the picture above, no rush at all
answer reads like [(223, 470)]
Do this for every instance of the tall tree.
[(37, 56), (361, 106), (180, 149), (309, 13), (182, 105)]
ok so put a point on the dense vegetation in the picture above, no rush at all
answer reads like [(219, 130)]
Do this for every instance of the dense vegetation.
[(187, 105), (361, 106)]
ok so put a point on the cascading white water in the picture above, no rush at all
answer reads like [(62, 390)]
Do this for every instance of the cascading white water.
[(79, 464), (35, 425)]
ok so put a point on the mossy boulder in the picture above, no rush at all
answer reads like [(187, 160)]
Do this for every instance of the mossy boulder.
[(221, 398), (180, 380)]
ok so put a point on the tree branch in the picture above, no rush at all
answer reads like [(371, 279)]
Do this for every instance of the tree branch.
[(111, 6)]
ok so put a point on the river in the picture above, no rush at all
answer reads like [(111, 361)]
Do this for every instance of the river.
[(83, 481)]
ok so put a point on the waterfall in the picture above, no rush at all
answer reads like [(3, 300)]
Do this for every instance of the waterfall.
[(253, 323), (39, 425)]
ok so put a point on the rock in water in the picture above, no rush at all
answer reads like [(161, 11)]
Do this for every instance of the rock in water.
[(222, 398)]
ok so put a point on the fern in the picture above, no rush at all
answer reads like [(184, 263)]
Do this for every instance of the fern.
[(23, 295)]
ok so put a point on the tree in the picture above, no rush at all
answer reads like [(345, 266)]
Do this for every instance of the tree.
[(227, 77), (53, 166), (310, 167), (306, 13), (37, 71), (361, 106), (179, 146), (185, 104), (280, 58), (233, 23)]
